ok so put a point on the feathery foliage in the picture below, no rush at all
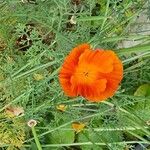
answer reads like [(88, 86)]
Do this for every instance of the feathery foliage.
[(35, 37)]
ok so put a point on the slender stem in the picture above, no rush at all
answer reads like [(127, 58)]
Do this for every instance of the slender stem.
[(90, 143), (36, 139), (106, 13), (84, 143), (125, 128), (35, 69)]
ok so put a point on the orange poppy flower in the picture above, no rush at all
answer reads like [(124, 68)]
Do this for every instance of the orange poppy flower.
[(93, 74)]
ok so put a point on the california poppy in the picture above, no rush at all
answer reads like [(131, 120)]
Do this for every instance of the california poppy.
[(93, 74)]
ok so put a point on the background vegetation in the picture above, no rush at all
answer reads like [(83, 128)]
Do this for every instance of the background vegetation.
[(35, 37)]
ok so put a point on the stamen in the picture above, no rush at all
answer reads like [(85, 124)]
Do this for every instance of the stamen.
[(86, 73)]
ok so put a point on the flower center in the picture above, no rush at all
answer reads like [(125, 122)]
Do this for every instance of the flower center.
[(84, 74)]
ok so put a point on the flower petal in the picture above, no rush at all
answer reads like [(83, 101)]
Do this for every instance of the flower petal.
[(102, 59), (68, 68)]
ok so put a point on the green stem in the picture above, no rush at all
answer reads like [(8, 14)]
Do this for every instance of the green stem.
[(36, 139)]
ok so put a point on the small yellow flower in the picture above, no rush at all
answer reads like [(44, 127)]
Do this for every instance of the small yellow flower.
[(78, 127), (38, 77), (61, 107)]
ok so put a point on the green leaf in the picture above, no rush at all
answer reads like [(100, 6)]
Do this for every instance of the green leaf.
[(143, 108), (62, 137), (105, 137), (143, 90)]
